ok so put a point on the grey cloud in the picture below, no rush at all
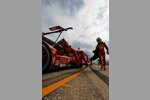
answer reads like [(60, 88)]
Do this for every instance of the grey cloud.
[(87, 27), (82, 45), (69, 7), (71, 13), (101, 12), (86, 47)]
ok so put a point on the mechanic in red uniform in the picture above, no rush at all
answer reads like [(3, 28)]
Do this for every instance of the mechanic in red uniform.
[(102, 58)]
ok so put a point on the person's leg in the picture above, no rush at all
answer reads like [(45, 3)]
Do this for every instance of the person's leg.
[(100, 61), (94, 57), (104, 61)]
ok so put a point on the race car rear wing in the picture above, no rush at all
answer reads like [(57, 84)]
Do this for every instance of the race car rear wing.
[(58, 29)]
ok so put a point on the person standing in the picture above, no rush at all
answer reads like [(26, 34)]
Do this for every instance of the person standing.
[(102, 58)]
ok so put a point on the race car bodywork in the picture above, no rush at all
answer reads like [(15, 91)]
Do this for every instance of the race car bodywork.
[(59, 54)]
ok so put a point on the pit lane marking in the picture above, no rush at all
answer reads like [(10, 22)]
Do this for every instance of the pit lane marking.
[(58, 84)]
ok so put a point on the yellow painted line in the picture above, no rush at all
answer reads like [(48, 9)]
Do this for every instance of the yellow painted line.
[(67, 85), (56, 85)]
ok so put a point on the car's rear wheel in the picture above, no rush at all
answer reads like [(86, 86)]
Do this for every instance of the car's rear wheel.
[(46, 56)]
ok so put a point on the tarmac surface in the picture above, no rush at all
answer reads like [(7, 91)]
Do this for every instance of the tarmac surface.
[(89, 83)]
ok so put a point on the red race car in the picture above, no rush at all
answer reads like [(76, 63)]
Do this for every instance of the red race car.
[(59, 54)]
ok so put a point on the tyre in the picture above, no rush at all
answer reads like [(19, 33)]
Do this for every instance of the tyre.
[(46, 57)]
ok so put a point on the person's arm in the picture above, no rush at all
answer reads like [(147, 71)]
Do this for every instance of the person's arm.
[(106, 48)]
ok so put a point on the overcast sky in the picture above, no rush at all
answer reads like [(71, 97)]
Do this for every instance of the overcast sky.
[(89, 19)]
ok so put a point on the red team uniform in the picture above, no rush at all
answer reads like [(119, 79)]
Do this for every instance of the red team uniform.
[(102, 58)]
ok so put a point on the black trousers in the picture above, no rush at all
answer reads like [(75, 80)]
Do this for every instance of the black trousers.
[(96, 55)]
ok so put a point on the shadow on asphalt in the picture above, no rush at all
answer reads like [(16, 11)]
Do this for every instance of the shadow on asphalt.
[(60, 69), (101, 75)]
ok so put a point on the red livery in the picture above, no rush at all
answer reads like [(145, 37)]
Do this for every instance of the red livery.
[(60, 54)]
